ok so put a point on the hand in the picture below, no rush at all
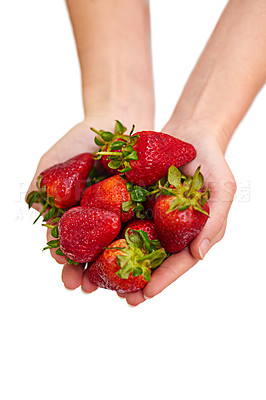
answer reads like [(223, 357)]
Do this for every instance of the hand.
[(78, 140), (220, 180)]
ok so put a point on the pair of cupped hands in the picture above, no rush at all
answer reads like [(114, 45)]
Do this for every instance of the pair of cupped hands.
[(217, 176)]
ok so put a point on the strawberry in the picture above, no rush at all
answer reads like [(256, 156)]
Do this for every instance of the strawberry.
[(147, 155), (84, 232), (146, 225), (181, 210), (149, 204), (156, 153), (109, 194), (126, 265), (62, 185)]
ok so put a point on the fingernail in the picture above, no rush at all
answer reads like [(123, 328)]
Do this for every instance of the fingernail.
[(69, 289), (146, 297), (204, 247)]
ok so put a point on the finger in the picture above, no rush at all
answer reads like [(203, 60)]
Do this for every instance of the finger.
[(168, 272), (134, 299), (121, 295), (86, 284), (72, 275), (58, 258), (41, 166), (219, 179), (222, 194)]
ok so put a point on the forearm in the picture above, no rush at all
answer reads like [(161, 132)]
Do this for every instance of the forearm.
[(113, 44), (229, 73)]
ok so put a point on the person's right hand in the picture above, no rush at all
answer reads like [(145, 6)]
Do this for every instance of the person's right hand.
[(78, 140)]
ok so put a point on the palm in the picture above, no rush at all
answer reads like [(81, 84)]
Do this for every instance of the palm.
[(78, 140), (219, 179)]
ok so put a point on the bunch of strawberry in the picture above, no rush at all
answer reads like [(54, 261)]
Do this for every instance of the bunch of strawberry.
[(125, 223)]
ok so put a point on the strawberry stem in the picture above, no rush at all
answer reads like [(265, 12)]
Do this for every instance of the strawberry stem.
[(108, 153)]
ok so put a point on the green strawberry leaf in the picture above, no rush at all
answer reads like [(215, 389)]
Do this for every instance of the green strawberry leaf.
[(139, 194), (122, 171), (33, 197), (50, 214), (168, 192), (129, 186), (147, 275), (54, 232), (132, 156), (119, 128), (114, 164), (127, 205), (174, 176), (117, 145), (53, 243), (71, 261), (59, 252), (98, 142), (199, 208), (128, 148), (137, 271), (107, 136)]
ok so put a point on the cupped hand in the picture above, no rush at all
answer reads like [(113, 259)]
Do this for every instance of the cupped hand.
[(219, 179), (78, 140)]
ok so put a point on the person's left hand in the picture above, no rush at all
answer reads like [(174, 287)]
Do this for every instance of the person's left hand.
[(221, 183)]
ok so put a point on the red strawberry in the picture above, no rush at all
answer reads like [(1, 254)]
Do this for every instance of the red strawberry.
[(126, 265), (61, 185), (156, 153), (146, 156), (149, 204), (108, 194), (85, 231), (181, 211), (146, 225)]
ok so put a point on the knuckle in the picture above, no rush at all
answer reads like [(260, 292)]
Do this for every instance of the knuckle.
[(220, 235), (231, 187), (219, 222)]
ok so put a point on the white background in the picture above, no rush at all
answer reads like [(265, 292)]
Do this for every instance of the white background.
[(203, 337)]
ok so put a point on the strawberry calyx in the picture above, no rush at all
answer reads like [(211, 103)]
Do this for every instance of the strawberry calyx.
[(54, 243), (40, 196), (186, 191), (110, 142), (138, 195), (140, 256)]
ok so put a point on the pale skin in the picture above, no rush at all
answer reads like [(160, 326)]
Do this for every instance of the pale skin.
[(116, 85)]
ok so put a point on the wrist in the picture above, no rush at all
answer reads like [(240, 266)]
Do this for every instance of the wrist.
[(131, 105)]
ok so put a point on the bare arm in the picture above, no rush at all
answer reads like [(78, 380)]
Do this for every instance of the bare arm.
[(113, 44), (229, 73)]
